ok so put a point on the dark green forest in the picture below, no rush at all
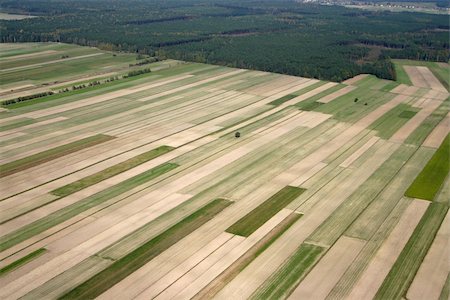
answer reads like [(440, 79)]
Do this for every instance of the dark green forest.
[(325, 42)]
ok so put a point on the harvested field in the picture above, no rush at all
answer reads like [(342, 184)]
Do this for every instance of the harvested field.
[(106, 191)]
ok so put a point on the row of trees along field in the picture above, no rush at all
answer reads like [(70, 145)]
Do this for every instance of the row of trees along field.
[(325, 42)]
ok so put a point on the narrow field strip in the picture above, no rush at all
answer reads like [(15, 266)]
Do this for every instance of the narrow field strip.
[(428, 183), (295, 94), (282, 283), (51, 154), (419, 135), (232, 271), (49, 62), (21, 261), (431, 276), (320, 281), (343, 216), (254, 219), (72, 210), (110, 172), (14, 125), (123, 267), (382, 251), (397, 282), (393, 120)]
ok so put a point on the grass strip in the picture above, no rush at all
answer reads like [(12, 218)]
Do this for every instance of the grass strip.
[(123, 267), (110, 172), (282, 99), (261, 214), (21, 261), (397, 282), (15, 125), (48, 155), (71, 211), (231, 272), (429, 181), (401, 75), (390, 122), (283, 282), (445, 293), (426, 127)]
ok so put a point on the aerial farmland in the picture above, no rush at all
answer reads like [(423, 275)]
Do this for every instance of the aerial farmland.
[(128, 177)]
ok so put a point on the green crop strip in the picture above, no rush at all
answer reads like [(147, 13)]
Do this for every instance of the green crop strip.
[(397, 282), (71, 211), (45, 156), (123, 267), (21, 261), (260, 215), (15, 125), (287, 277), (394, 119), (110, 172), (282, 99), (420, 133), (429, 181)]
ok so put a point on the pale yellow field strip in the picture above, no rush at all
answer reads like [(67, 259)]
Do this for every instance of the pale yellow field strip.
[(378, 268), (430, 279), (324, 276), (123, 291), (81, 251), (10, 209), (199, 269), (11, 88), (245, 110), (140, 215), (339, 93), (436, 94), (355, 79), (402, 134), (383, 151), (415, 76), (12, 135), (38, 213), (347, 163), (308, 174), (191, 85), (100, 98), (297, 82), (430, 79), (197, 278), (399, 89), (34, 125), (404, 89), (314, 92), (264, 265), (82, 159), (49, 62), (40, 53), (437, 136)]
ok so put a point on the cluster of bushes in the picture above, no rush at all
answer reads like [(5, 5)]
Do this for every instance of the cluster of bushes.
[(26, 98), (64, 56), (137, 72), (145, 62)]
